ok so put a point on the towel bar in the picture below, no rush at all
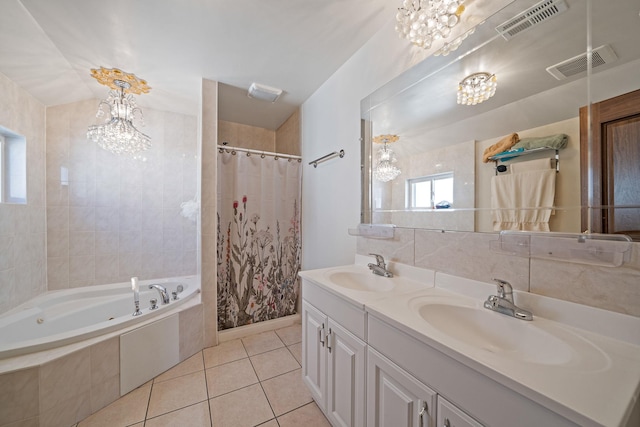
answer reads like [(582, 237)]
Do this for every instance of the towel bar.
[(327, 157)]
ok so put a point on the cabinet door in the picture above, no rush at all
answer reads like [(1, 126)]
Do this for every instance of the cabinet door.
[(346, 372), (394, 397), (449, 415), (314, 359)]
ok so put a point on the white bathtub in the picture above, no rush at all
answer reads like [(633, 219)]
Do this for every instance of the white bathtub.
[(58, 318)]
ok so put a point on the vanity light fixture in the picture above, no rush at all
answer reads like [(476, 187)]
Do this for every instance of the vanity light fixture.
[(118, 134), (476, 88), (424, 21), (384, 169)]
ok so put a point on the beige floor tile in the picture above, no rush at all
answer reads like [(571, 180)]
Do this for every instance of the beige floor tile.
[(287, 392), (308, 416), (129, 409), (177, 393), (259, 343), (229, 377), (273, 363), (193, 416), (296, 350), (242, 408), (225, 352), (270, 423), (189, 366), (291, 334)]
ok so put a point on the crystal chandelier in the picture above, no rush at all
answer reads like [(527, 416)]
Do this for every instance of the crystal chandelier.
[(476, 88), (384, 169), (424, 21), (118, 133)]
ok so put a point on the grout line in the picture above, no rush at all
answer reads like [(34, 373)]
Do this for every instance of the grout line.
[(206, 386)]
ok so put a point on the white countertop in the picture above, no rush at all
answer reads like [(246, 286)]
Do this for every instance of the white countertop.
[(591, 372)]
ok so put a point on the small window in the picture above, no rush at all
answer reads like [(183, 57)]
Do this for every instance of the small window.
[(13, 167), (429, 192)]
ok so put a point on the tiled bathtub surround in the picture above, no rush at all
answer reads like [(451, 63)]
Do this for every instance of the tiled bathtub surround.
[(22, 227), (251, 381), (468, 255), (76, 383), (111, 217)]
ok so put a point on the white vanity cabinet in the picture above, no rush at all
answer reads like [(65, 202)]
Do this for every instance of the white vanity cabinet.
[(395, 398), (334, 357), (449, 415)]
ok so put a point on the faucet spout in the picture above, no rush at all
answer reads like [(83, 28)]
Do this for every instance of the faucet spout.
[(162, 291), (503, 302), (379, 268)]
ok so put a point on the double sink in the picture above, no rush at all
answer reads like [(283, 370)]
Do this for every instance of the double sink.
[(465, 320), (583, 359)]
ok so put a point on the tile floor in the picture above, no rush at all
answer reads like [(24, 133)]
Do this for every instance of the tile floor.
[(253, 381)]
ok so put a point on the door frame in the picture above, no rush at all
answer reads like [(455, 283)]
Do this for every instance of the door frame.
[(609, 110)]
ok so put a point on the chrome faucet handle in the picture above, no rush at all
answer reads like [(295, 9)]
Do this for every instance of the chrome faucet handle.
[(379, 260), (505, 290)]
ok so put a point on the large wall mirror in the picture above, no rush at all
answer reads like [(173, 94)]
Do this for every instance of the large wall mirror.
[(422, 152)]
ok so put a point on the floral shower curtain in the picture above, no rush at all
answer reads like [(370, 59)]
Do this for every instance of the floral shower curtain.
[(258, 243)]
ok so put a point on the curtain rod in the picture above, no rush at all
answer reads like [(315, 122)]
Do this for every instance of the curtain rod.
[(249, 151)]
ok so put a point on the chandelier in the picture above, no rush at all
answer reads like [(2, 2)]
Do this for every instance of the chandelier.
[(424, 21), (476, 88), (384, 169), (118, 134)]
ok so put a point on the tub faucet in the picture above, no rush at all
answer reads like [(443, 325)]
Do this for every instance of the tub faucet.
[(503, 302), (379, 268), (163, 292)]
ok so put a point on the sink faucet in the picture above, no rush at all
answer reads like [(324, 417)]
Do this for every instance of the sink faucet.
[(503, 302), (379, 268), (163, 292)]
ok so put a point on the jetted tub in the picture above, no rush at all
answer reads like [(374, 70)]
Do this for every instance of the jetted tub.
[(63, 317)]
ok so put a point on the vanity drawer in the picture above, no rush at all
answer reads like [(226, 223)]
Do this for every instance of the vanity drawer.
[(349, 316)]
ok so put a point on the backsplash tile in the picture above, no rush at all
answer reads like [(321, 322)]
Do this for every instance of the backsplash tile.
[(469, 255), (615, 289), (399, 249)]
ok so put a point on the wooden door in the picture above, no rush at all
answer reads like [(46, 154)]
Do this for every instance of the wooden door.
[(615, 165)]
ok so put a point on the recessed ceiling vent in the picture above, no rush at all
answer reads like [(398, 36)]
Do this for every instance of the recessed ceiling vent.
[(531, 17), (578, 64)]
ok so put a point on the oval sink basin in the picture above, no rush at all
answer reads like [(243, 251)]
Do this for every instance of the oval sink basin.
[(511, 338), (361, 281)]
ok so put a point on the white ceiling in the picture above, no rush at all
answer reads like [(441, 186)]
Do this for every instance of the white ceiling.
[(48, 47)]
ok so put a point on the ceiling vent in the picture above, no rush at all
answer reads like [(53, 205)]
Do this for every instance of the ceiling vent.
[(578, 64), (531, 17), (263, 92)]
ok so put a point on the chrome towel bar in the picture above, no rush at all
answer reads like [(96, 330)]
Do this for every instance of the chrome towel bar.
[(327, 157)]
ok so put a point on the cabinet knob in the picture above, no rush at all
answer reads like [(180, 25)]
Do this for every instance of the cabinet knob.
[(329, 340), (321, 335), (447, 423)]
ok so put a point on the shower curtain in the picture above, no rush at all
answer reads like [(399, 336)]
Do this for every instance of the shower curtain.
[(258, 242)]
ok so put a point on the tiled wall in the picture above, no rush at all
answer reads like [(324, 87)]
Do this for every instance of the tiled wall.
[(22, 227), (288, 135), (245, 136), (117, 217), (286, 139), (469, 255)]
